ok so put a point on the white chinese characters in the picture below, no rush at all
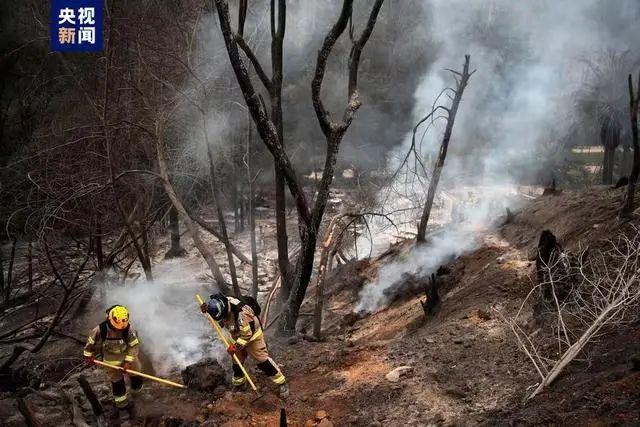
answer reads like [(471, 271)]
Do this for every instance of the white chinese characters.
[(67, 15), (77, 26), (87, 15)]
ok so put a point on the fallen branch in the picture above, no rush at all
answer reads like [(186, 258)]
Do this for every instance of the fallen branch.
[(27, 412)]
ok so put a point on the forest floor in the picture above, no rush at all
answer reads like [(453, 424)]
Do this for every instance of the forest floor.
[(463, 365)]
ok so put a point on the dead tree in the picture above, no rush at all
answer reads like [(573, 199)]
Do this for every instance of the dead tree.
[(69, 291), (6, 284), (549, 251), (432, 298), (273, 86), (217, 196), (309, 215), (163, 168), (606, 295), (610, 140), (174, 227), (634, 101), (461, 83), (331, 244), (141, 250), (251, 180)]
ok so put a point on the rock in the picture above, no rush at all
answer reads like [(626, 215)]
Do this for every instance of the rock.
[(206, 375), (293, 340), (353, 419), (310, 423), (401, 371), (325, 423), (321, 414), (430, 341), (458, 341)]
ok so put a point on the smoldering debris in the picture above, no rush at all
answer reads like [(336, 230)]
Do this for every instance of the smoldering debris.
[(166, 316), (205, 375)]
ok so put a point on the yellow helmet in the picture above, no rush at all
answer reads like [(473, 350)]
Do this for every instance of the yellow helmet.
[(118, 316)]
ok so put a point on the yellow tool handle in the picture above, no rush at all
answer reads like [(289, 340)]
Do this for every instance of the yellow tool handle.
[(140, 374), (226, 343)]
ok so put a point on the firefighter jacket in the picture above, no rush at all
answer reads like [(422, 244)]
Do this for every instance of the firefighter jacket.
[(241, 321), (114, 346)]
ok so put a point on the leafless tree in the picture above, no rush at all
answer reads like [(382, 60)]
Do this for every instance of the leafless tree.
[(634, 101), (69, 281), (461, 83), (603, 293), (309, 217)]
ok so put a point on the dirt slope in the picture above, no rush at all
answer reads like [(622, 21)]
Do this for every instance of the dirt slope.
[(466, 368)]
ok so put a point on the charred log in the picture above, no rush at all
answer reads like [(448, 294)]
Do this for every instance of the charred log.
[(548, 266), (432, 300)]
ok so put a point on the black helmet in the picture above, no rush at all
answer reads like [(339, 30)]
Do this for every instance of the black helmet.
[(217, 306)]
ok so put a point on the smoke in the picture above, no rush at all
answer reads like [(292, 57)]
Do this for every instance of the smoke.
[(164, 312), (528, 60)]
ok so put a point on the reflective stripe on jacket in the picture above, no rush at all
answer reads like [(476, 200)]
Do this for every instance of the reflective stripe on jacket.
[(247, 328), (115, 349)]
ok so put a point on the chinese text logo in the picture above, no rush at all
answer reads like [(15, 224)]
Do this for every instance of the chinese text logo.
[(76, 25)]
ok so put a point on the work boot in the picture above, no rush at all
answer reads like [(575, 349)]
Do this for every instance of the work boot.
[(239, 388), (284, 391)]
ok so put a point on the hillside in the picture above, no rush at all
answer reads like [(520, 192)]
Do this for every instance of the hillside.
[(464, 366)]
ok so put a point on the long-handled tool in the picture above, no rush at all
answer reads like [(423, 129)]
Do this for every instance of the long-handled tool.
[(140, 374), (226, 343)]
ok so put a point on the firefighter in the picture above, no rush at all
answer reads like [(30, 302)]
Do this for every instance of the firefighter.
[(240, 317), (116, 343)]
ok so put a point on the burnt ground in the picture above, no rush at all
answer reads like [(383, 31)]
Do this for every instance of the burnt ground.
[(466, 368)]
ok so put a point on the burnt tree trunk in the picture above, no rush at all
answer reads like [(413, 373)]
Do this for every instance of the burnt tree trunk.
[(432, 298), (174, 228), (252, 212), (607, 171), (610, 139), (98, 246), (437, 170), (217, 196), (29, 265), (548, 252), (634, 102), (8, 284)]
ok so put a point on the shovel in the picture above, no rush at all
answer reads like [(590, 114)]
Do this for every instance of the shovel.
[(226, 343), (140, 374)]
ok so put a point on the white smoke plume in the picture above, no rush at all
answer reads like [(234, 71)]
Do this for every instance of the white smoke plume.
[(172, 331), (528, 60)]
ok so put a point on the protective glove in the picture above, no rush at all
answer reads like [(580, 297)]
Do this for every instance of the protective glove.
[(203, 307), (232, 349), (126, 366), (89, 360)]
